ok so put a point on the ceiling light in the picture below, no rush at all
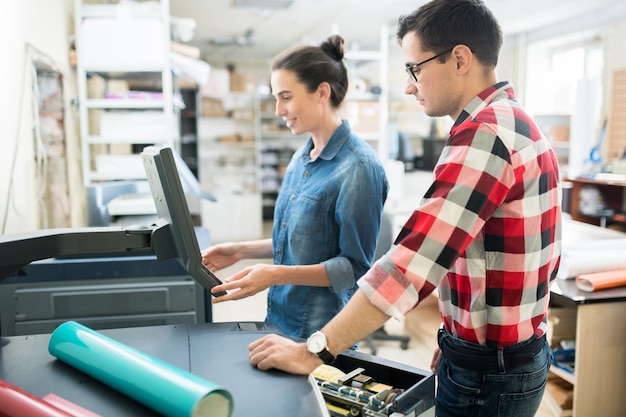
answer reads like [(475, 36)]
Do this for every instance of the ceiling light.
[(262, 4)]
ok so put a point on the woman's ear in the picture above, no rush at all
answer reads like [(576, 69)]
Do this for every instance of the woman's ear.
[(324, 91)]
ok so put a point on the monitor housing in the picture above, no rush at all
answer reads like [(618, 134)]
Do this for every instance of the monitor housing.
[(174, 220)]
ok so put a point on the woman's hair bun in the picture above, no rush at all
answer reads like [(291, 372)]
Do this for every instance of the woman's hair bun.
[(334, 46)]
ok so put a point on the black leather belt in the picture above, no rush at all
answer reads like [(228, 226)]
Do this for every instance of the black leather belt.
[(487, 360)]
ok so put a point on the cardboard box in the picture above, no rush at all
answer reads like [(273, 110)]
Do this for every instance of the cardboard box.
[(363, 116), (228, 138), (122, 43), (212, 107), (242, 114), (243, 81), (561, 325), (559, 133), (218, 84)]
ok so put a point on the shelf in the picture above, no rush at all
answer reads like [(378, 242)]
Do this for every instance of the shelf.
[(97, 176), (103, 140), (115, 103), (600, 358), (224, 171), (364, 55), (230, 146), (563, 374), (363, 97), (113, 11), (229, 143), (117, 71), (129, 73), (613, 195)]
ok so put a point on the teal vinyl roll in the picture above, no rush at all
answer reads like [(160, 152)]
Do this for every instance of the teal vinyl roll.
[(163, 387)]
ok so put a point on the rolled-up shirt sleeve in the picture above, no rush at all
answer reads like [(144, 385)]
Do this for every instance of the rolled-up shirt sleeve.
[(358, 212)]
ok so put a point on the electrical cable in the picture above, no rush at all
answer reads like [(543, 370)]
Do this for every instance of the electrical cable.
[(27, 58)]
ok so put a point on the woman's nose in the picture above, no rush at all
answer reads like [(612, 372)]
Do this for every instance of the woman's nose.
[(279, 109)]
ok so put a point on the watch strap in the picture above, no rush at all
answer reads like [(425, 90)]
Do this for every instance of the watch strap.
[(326, 356)]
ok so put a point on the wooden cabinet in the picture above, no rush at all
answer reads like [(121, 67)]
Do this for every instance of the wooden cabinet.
[(598, 202), (593, 320), (598, 379)]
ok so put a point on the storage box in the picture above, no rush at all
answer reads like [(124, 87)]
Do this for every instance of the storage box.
[(109, 44), (561, 325), (364, 116), (559, 396), (143, 125), (218, 84), (212, 107), (559, 133), (243, 81), (120, 166), (242, 114), (412, 392), (228, 138)]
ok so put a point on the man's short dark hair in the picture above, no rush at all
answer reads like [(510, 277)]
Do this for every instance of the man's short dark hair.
[(443, 24)]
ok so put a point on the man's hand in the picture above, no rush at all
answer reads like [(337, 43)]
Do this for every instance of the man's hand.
[(434, 363), (277, 352)]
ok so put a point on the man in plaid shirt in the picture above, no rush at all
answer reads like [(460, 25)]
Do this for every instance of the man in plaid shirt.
[(487, 235)]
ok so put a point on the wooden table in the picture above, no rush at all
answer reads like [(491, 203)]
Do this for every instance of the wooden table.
[(600, 367)]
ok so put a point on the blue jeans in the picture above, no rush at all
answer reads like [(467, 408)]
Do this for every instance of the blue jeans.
[(508, 391)]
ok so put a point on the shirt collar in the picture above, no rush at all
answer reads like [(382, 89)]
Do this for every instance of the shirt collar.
[(503, 89), (335, 143)]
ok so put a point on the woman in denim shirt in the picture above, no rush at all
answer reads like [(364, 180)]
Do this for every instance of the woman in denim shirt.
[(328, 211)]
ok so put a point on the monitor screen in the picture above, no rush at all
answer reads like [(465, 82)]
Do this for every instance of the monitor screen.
[(175, 235)]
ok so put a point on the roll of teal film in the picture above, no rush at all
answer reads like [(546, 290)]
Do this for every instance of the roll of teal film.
[(163, 387)]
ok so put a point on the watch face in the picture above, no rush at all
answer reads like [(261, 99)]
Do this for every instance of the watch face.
[(316, 342)]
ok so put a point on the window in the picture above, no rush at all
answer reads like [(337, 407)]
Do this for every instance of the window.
[(564, 94)]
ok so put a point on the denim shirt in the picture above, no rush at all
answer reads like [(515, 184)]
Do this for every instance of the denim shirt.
[(328, 211)]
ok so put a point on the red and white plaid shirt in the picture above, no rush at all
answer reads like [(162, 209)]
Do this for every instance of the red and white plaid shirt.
[(488, 231)]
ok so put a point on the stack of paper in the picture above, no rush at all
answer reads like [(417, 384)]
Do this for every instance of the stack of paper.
[(591, 257)]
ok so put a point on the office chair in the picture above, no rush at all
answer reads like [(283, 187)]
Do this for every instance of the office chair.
[(385, 240)]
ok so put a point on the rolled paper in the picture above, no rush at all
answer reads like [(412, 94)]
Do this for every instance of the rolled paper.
[(601, 280), (158, 385), (591, 256), (16, 402), (68, 406)]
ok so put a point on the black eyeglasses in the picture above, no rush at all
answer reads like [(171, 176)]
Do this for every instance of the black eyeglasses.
[(410, 69)]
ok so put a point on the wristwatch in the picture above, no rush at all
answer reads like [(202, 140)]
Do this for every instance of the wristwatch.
[(318, 345)]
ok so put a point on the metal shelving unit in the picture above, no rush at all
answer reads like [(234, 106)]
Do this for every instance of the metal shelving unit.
[(229, 165), (125, 87), (278, 143)]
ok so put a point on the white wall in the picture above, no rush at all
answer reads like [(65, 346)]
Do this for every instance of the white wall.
[(46, 25), (614, 36)]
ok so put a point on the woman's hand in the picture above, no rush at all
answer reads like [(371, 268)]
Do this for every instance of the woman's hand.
[(249, 281), (277, 352), (220, 256)]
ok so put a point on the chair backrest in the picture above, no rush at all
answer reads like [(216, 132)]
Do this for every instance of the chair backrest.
[(385, 236)]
